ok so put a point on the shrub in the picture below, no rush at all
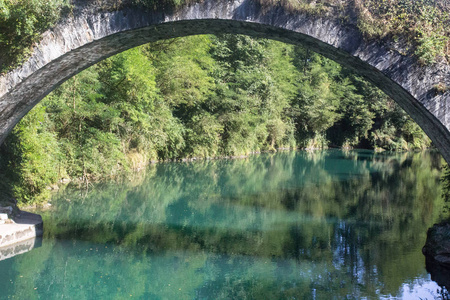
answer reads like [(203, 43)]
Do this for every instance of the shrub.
[(21, 24)]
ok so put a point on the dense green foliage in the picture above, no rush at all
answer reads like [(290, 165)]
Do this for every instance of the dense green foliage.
[(426, 23), (423, 25), (446, 187), (201, 97), (21, 24)]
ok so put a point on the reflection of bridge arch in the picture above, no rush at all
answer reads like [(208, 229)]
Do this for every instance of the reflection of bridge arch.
[(89, 37)]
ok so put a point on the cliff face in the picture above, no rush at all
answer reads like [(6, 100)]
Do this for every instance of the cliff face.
[(93, 33)]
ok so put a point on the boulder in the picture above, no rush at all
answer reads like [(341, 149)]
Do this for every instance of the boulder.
[(437, 246), (437, 253)]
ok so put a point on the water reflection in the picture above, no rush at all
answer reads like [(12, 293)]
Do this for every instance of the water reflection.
[(305, 225), (441, 275), (19, 248)]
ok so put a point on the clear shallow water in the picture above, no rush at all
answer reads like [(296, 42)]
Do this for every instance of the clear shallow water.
[(294, 225)]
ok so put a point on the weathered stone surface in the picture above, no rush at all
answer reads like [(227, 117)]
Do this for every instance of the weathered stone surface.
[(19, 248), (440, 274), (25, 226), (91, 35), (437, 246)]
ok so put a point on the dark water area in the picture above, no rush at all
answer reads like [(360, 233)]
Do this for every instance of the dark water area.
[(291, 225)]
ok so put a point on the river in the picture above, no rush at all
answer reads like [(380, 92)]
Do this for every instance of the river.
[(291, 225)]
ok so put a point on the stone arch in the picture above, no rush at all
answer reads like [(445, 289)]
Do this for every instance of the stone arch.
[(91, 35)]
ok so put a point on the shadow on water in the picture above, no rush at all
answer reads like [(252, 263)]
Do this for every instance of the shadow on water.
[(437, 247), (437, 253), (441, 275)]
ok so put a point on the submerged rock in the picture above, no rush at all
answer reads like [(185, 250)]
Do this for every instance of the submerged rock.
[(437, 246), (437, 253)]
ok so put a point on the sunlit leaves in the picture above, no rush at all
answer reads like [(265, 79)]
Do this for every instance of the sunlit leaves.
[(201, 97), (21, 23)]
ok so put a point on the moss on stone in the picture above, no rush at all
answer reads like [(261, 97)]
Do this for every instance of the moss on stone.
[(423, 24)]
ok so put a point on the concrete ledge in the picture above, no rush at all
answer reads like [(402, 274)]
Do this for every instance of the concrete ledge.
[(25, 226)]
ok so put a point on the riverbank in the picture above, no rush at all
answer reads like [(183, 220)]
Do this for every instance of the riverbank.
[(126, 175)]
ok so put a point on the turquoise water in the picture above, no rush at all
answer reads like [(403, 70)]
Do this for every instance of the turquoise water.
[(291, 225)]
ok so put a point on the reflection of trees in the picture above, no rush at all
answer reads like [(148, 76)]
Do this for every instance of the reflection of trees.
[(279, 225)]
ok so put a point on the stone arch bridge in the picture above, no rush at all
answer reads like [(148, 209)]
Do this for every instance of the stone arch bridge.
[(92, 34)]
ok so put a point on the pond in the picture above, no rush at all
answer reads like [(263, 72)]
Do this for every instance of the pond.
[(291, 225)]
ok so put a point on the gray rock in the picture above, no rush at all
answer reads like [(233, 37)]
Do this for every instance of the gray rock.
[(437, 246)]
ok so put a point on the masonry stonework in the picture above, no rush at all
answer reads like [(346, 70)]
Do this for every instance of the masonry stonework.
[(91, 35)]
